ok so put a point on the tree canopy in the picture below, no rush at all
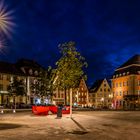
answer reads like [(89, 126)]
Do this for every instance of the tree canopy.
[(69, 66)]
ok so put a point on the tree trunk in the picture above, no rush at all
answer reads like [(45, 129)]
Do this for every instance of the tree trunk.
[(70, 102), (65, 92)]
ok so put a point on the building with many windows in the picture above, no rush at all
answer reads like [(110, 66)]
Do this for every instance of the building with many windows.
[(100, 94), (28, 71), (126, 84), (80, 95), (24, 69)]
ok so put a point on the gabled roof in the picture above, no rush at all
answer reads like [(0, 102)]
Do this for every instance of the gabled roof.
[(28, 63), (96, 85), (131, 66), (23, 67), (133, 60)]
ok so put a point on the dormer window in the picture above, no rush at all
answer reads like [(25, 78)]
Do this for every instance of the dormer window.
[(127, 72), (30, 72), (23, 70), (36, 73)]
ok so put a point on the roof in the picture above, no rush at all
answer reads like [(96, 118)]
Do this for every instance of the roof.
[(9, 68), (96, 85), (133, 60), (23, 67), (131, 66)]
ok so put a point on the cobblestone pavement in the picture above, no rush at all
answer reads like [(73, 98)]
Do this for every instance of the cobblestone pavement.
[(85, 125)]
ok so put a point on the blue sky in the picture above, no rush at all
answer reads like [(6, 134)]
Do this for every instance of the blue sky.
[(106, 32)]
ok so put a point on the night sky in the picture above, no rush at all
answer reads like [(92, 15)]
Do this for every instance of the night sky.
[(106, 32)]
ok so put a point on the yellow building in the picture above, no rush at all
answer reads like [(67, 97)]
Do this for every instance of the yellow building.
[(100, 94), (126, 84)]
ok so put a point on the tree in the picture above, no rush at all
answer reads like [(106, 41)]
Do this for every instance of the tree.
[(43, 85), (69, 68), (16, 88)]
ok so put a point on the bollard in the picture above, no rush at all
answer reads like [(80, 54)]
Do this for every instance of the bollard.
[(2, 111), (14, 111)]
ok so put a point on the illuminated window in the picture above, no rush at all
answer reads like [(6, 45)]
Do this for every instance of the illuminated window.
[(116, 84), (117, 75), (127, 72), (123, 73), (124, 83), (120, 74)]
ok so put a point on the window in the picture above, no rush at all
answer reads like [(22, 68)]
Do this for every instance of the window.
[(116, 93), (116, 84), (138, 82), (1, 77), (1, 87), (105, 90), (8, 77), (127, 83), (127, 72), (104, 85), (30, 72), (113, 85), (108, 89), (127, 92), (120, 93), (123, 73), (100, 89), (124, 83), (36, 73), (120, 84)]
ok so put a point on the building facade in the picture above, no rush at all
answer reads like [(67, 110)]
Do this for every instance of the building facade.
[(79, 96), (24, 69), (28, 71), (126, 84), (100, 95)]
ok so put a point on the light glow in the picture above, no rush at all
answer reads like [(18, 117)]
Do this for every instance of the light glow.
[(6, 23)]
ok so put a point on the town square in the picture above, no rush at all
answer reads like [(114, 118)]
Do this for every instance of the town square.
[(69, 69)]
